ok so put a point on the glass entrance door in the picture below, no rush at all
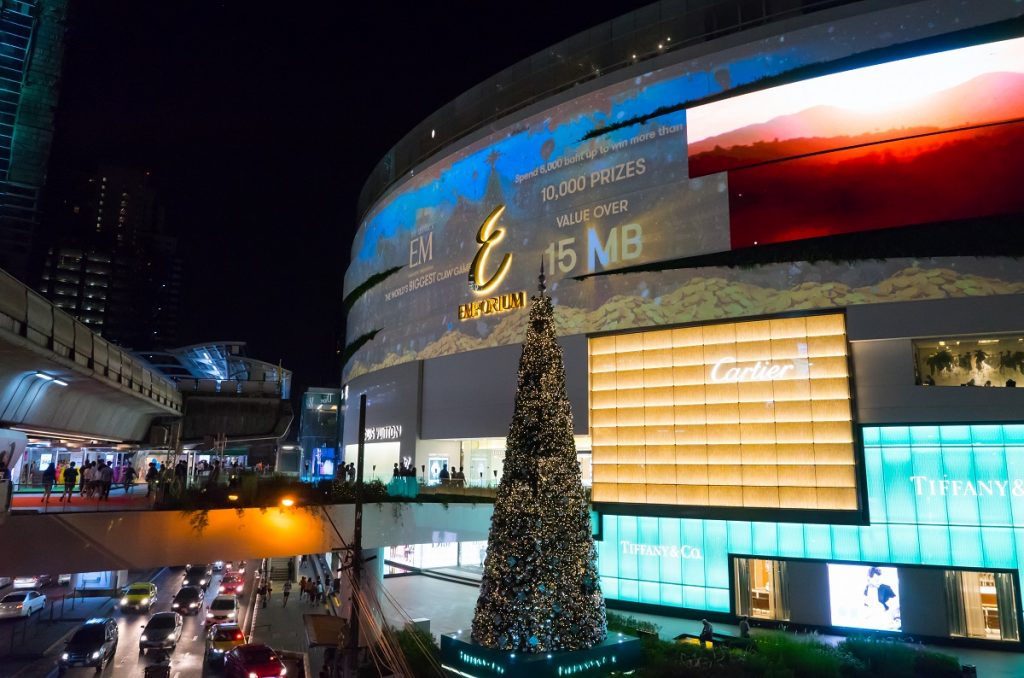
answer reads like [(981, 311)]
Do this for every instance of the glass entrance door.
[(761, 588), (982, 605)]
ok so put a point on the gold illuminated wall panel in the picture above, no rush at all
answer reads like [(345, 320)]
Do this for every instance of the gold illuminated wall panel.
[(752, 414)]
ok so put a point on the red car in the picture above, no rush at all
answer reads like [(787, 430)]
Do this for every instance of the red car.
[(253, 661), (232, 583)]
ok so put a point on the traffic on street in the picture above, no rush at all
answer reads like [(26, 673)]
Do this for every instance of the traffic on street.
[(182, 621)]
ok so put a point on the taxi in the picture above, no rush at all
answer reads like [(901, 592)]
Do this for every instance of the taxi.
[(221, 639), (140, 596)]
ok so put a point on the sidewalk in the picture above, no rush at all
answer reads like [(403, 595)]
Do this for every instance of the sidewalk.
[(280, 626)]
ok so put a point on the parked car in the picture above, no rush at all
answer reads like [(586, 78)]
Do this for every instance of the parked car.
[(188, 600), (222, 609), (140, 596), (21, 604), (253, 661), (36, 581), (221, 639), (93, 644), (161, 633)]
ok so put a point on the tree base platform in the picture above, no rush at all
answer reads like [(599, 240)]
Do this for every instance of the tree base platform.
[(460, 657)]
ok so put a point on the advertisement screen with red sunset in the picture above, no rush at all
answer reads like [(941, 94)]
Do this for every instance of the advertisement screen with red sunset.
[(925, 139)]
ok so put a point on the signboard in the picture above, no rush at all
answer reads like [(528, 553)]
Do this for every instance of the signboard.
[(754, 414)]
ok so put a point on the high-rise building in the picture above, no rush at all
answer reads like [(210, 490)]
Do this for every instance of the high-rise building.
[(111, 262), (31, 54)]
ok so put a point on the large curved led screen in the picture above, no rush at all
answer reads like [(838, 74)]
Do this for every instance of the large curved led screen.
[(627, 174)]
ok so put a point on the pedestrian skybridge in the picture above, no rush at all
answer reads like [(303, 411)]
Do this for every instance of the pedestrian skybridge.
[(58, 377)]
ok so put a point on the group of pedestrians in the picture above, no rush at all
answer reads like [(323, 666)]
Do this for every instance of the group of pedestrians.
[(311, 591), (93, 479)]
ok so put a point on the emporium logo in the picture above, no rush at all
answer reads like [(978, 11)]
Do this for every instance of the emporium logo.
[(684, 552), (931, 487)]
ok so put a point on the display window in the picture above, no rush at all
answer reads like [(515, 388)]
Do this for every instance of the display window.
[(761, 588), (990, 361), (982, 605)]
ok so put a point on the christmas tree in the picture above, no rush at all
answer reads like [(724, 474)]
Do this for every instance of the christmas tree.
[(540, 591)]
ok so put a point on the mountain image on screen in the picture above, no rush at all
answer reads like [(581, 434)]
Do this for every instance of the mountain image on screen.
[(984, 100)]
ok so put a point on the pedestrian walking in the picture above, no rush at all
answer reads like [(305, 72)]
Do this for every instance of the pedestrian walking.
[(86, 485), (287, 591), (49, 478), (263, 593), (152, 478), (70, 478), (302, 588), (744, 627), (128, 476), (106, 478), (319, 591)]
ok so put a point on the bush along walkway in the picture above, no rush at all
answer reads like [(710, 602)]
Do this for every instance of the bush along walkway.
[(780, 654)]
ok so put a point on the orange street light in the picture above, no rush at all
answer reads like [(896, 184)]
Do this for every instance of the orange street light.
[(232, 497), (287, 501)]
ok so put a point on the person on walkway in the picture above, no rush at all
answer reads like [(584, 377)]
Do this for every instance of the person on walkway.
[(262, 593), (744, 627), (129, 475), (70, 478), (444, 475), (706, 632), (106, 479), (302, 588), (152, 478), (49, 478), (85, 488), (214, 479), (319, 592), (287, 592)]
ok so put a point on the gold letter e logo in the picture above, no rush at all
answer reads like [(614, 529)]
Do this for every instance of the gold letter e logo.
[(488, 236)]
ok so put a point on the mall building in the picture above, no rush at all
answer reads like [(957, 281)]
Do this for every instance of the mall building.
[(783, 243)]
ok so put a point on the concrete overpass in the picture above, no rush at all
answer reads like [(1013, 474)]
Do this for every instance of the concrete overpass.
[(138, 540), (58, 377)]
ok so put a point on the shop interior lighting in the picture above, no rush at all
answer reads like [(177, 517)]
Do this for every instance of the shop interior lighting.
[(65, 436)]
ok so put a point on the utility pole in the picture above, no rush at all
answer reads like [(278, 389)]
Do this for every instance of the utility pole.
[(352, 653)]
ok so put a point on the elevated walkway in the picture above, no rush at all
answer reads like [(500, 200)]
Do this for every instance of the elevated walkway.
[(139, 540), (59, 377)]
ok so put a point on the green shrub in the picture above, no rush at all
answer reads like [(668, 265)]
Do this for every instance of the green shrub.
[(804, 659), (895, 659), (420, 650)]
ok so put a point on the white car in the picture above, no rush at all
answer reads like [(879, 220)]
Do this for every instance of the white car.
[(21, 604), (33, 582), (223, 609)]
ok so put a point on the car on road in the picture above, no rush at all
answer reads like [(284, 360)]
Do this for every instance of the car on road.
[(36, 581), (222, 609), (139, 596), (218, 565), (189, 600), (197, 575), (162, 632), (237, 568), (93, 644), (253, 661), (221, 639), (21, 604), (232, 583)]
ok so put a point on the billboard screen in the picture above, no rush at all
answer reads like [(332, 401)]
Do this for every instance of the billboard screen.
[(864, 597), (890, 143), (754, 414), (616, 177)]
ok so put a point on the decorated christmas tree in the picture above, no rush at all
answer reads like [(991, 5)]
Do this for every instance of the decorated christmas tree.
[(540, 591)]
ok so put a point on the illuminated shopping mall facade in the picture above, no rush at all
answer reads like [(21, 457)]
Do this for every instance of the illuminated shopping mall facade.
[(796, 400)]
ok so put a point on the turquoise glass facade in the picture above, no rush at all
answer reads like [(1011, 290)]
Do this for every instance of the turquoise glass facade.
[(950, 495)]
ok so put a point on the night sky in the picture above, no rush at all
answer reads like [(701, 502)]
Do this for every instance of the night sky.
[(260, 122)]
